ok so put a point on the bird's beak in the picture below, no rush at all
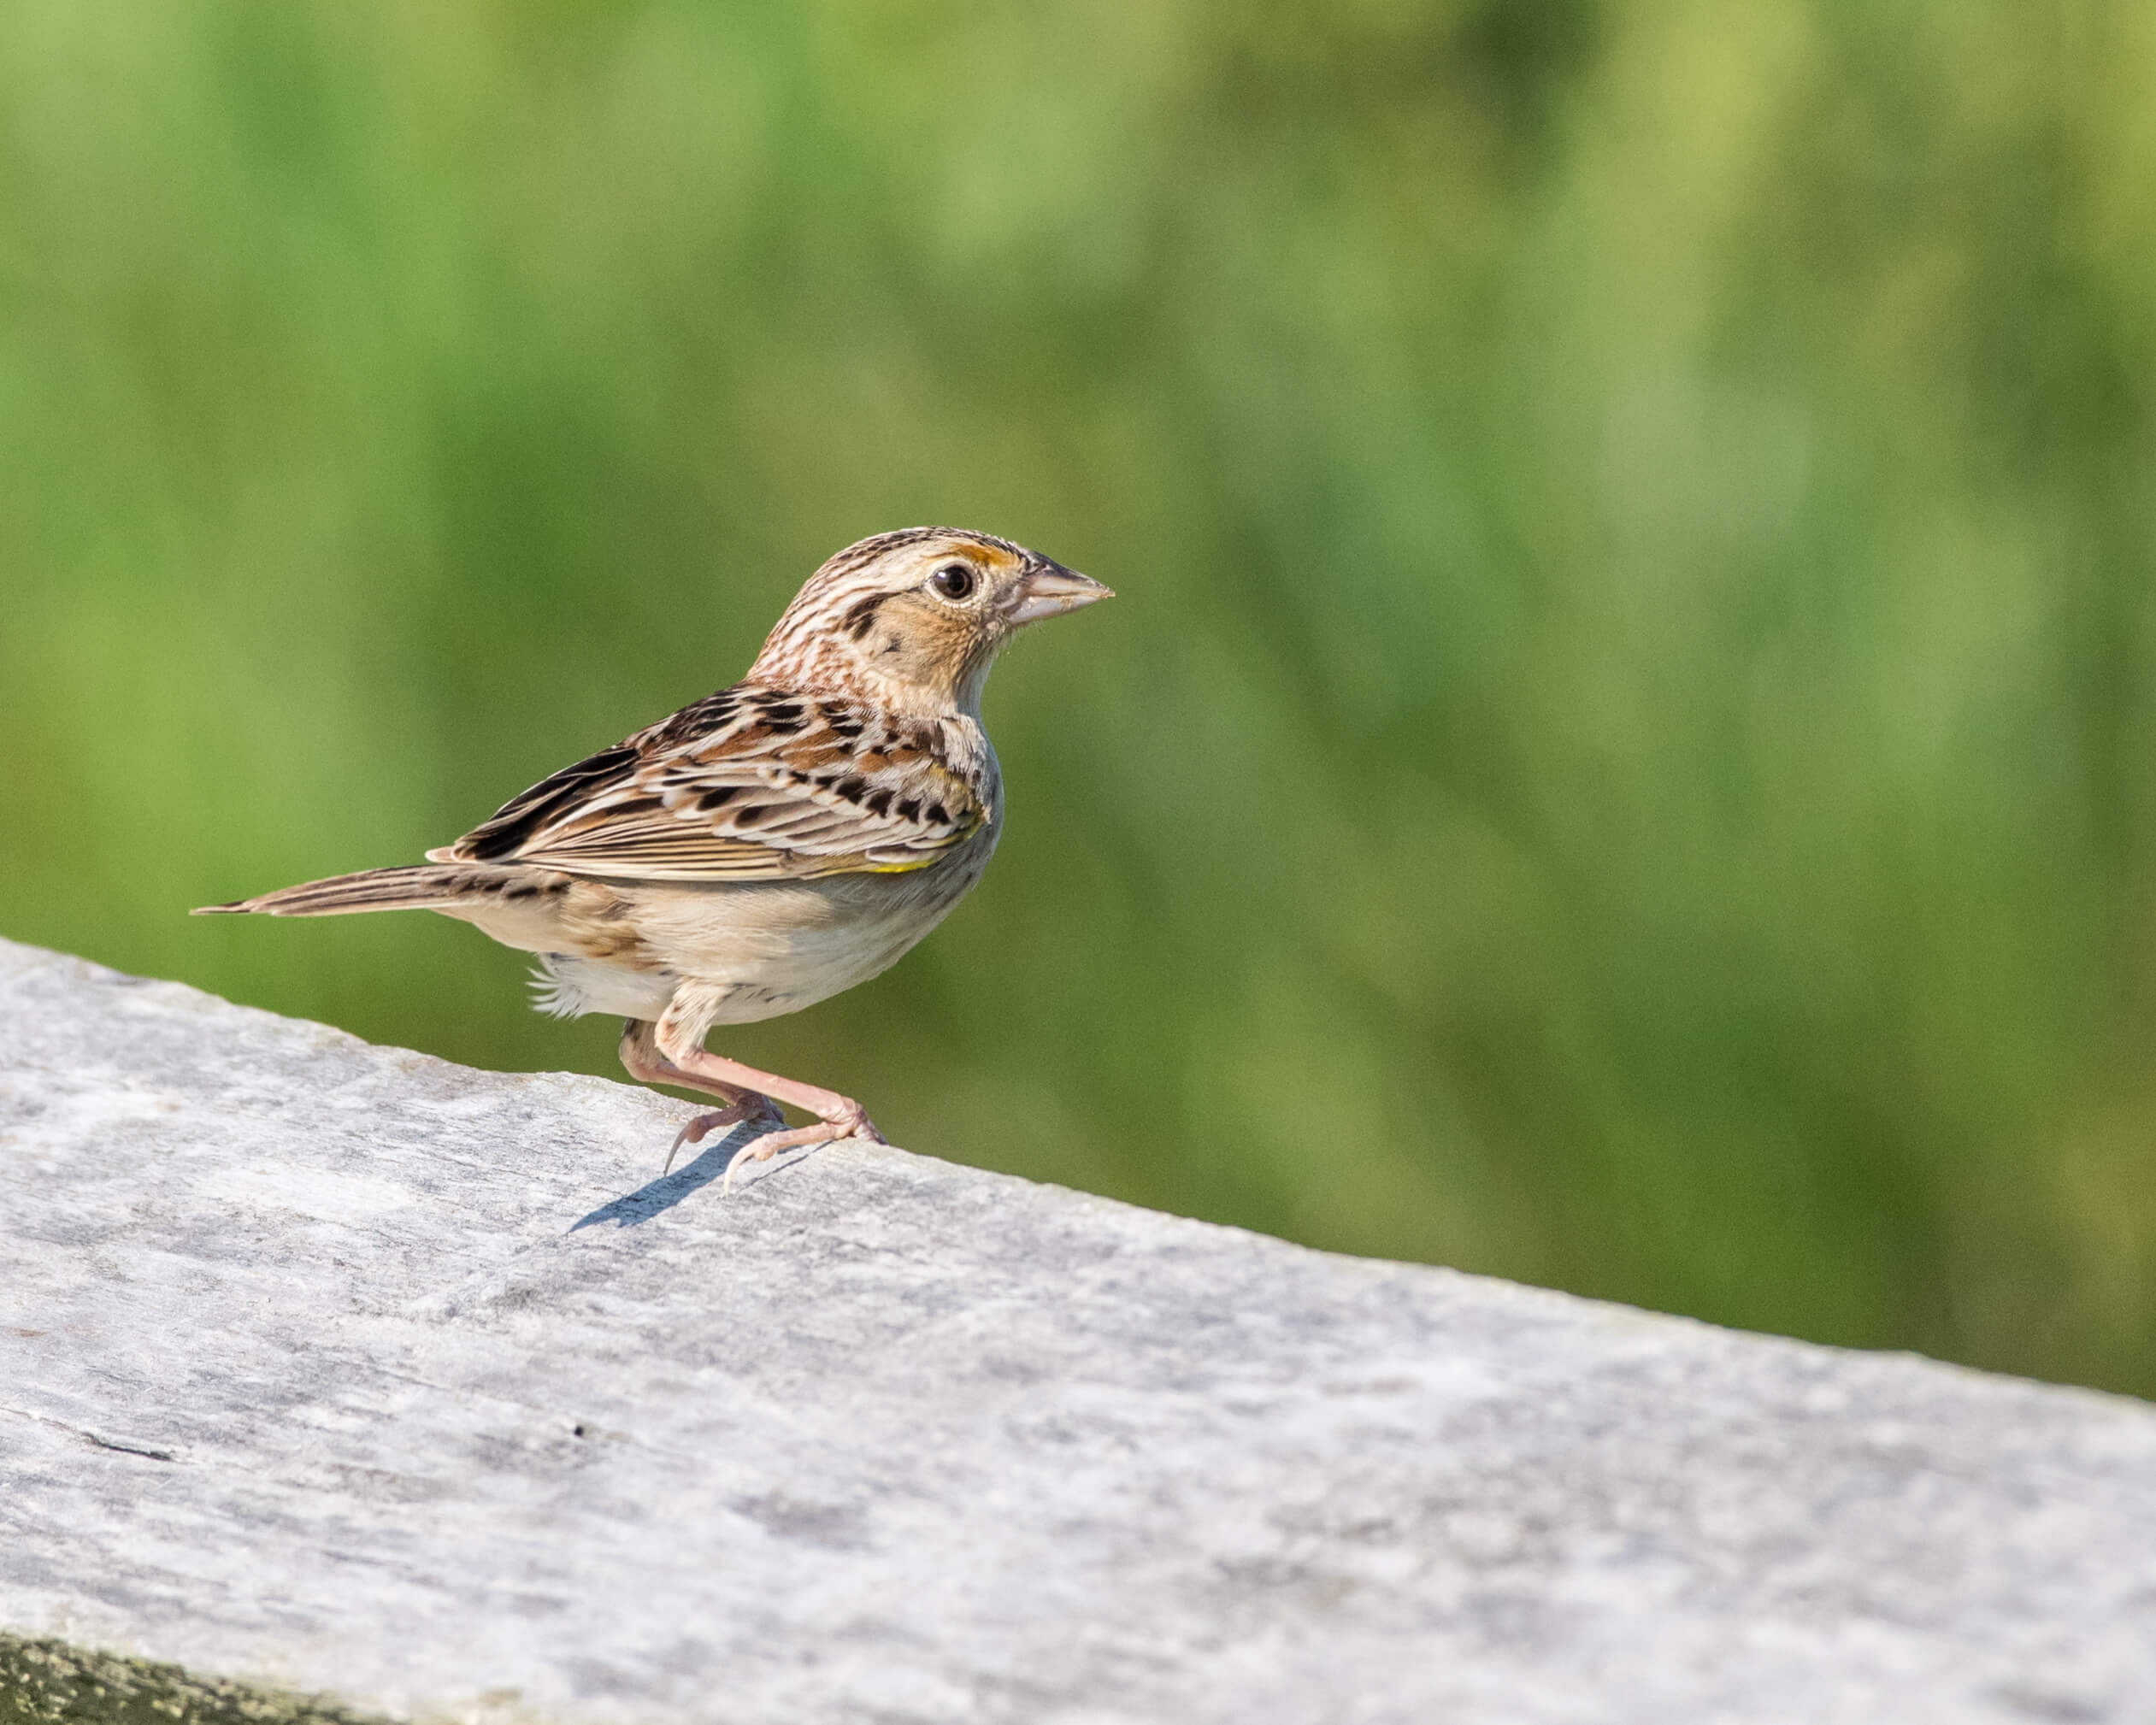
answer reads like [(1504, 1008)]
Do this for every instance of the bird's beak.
[(1051, 589)]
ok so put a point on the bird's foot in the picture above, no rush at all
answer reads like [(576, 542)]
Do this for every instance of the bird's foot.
[(851, 1122), (760, 1109)]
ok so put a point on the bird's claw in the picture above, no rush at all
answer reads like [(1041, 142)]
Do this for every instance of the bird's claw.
[(851, 1121), (760, 1109), (855, 1123)]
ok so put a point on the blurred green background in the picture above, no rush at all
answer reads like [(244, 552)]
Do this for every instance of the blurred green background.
[(1626, 757)]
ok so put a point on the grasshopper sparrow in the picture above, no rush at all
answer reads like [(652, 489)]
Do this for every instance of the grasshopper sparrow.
[(767, 846)]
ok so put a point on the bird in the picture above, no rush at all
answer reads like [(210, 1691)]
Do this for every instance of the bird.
[(766, 847)]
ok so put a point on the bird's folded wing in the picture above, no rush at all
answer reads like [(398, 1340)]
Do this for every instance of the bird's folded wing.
[(748, 786)]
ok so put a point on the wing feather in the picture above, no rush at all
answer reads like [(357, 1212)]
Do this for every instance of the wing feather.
[(749, 784)]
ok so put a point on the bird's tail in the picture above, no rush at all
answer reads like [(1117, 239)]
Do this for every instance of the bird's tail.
[(423, 886)]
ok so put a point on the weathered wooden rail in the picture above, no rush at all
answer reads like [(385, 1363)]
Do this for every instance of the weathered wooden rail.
[(336, 1370)]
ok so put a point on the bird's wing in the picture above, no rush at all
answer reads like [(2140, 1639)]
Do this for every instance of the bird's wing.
[(750, 784)]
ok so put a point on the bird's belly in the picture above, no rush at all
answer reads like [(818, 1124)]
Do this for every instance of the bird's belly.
[(762, 949), (573, 985)]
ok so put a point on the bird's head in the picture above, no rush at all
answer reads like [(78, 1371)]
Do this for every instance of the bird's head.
[(913, 620)]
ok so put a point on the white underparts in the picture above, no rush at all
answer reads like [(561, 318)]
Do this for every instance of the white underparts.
[(566, 985)]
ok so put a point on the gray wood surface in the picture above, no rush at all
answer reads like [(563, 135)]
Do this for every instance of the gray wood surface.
[(341, 1369)]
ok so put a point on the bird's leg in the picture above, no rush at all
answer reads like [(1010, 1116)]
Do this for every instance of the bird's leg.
[(640, 1055), (837, 1117)]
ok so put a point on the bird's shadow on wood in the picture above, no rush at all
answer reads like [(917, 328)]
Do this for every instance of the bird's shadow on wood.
[(633, 1209)]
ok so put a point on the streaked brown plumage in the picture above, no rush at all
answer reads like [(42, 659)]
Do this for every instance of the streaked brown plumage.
[(770, 845)]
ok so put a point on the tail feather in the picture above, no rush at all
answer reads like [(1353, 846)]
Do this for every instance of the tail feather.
[(415, 888)]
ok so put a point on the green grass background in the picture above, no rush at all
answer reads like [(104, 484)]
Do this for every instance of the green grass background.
[(1626, 757)]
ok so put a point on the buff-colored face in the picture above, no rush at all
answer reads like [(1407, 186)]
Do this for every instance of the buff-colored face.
[(918, 615)]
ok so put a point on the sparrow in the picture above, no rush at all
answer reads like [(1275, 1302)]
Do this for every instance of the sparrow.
[(766, 847)]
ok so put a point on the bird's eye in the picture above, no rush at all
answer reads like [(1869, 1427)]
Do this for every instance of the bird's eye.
[(953, 581)]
